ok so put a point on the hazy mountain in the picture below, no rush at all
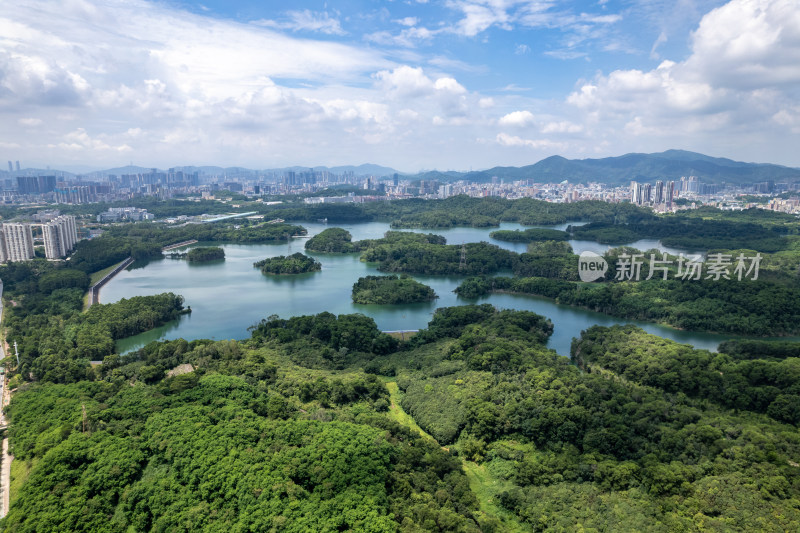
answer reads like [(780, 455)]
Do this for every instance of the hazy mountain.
[(669, 165), (620, 170)]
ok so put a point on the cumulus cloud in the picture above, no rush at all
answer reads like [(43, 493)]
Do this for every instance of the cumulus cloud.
[(114, 79), (538, 144), (517, 118), (741, 75), (747, 44)]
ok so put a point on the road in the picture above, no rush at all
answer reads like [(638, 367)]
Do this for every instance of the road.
[(5, 467)]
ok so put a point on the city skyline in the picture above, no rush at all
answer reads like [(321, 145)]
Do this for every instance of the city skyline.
[(447, 85)]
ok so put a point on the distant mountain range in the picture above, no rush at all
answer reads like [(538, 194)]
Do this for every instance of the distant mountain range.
[(669, 165)]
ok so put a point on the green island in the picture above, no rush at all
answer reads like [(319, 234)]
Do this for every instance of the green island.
[(391, 290), (200, 254), (205, 253), (296, 263), (332, 240), (530, 235)]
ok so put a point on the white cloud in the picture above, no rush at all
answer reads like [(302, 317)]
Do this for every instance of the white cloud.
[(115, 80), (449, 85), (478, 16), (522, 49), (405, 81), (29, 122), (79, 140), (408, 21), (662, 38), (749, 43), (740, 80), (517, 118), (563, 126), (306, 20), (513, 140), (408, 38)]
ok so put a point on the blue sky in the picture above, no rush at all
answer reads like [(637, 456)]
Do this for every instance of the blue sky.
[(447, 84)]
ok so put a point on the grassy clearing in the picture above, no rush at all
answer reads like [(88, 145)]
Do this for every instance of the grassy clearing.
[(483, 484), (20, 470), (397, 413), (486, 487)]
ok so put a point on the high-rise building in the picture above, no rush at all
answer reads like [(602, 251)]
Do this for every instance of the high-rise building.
[(18, 242), (659, 193), (3, 248), (27, 184), (647, 192), (636, 193), (10, 168), (17, 165), (46, 184), (669, 194), (60, 236)]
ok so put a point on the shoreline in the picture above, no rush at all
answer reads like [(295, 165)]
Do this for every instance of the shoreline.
[(94, 290)]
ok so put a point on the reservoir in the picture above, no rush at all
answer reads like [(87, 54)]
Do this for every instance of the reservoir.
[(228, 296)]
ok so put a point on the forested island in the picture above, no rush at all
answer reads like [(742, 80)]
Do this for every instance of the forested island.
[(200, 254), (529, 235), (205, 253), (296, 263), (332, 240), (391, 290)]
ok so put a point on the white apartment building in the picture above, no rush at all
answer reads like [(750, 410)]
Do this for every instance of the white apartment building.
[(18, 242), (60, 236)]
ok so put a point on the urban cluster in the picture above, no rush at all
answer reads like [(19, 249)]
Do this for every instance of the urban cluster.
[(665, 195)]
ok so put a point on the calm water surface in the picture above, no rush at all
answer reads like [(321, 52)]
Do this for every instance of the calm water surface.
[(228, 296)]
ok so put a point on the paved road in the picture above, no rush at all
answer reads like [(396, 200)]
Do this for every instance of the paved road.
[(5, 467)]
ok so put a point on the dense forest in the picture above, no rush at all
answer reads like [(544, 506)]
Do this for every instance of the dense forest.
[(460, 211), (759, 385), (294, 429), (296, 263), (391, 290), (44, 315)]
